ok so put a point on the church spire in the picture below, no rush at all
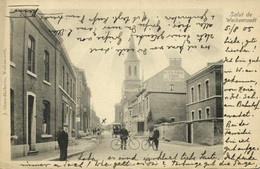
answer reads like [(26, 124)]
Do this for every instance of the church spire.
[(132, 54), (132, 72)]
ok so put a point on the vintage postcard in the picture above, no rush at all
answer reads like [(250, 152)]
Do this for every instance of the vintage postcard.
[(139, 84)]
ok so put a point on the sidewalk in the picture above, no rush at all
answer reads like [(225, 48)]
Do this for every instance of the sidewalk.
[(85, 144)]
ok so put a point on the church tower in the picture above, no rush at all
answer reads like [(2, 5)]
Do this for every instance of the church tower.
[(132, 72)]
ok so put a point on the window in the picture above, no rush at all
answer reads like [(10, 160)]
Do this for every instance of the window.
[(207, 112), (73, 120), (192, 115), (11, 39), (31, 54), (143, 103), (67, 115), (63, 77), (135, 71), (200, 115), (74, 90), (70, 88), (207, 88), (63, 113), (129, 70), (192, 94), (12, 110), (67, 83), (171, 87), (46, 65), (199, 91), (46, 117), (147, 103)]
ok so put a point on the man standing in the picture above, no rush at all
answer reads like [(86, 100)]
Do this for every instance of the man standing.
[(123, 136), (155, 137), (63, 143)]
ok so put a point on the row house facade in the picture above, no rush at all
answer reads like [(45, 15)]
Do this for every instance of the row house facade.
[(205, 105), (42, 86), (66, 90), (83, 101)]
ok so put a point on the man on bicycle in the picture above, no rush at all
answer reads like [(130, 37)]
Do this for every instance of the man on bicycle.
[(123, 136), (155, 137)]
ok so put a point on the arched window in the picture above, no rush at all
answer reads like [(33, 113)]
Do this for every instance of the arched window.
[(207, 88), (129, 70), (31, 54), (207, 111), (171, 87), (199, 92), (135, 70), (192, 94), (192, 115), (200, 114)]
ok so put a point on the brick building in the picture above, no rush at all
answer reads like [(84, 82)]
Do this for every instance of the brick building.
[(66, 92), (161, 97), (83, 101), (205, 105), (42, 86)]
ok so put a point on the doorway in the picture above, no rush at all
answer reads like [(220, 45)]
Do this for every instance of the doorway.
[(189, 128), (140, 127), (31, 120)]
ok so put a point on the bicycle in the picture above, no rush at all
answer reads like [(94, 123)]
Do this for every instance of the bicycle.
[(132, 143), (146, 144)]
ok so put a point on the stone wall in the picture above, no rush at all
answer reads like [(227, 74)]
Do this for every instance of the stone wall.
[(208, 132), (205, 132)]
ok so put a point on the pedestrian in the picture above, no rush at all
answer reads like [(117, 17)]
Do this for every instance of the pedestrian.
[(155, 137), (123, 136), (63, 143)]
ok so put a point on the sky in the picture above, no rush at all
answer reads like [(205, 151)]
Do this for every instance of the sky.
[(105, 72)]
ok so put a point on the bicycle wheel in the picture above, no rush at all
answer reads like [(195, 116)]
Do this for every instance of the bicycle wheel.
[(134, 144), (115, 144), (145, 144)]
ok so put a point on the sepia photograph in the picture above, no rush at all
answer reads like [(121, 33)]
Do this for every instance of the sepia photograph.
[(130, 88)]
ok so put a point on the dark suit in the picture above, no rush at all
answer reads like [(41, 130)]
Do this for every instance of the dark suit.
[(63, 144), (123, 136)]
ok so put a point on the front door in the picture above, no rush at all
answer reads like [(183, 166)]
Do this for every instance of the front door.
[(30, 119), (140, 127), (189, 133)]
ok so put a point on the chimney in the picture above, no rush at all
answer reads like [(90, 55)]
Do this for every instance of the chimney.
[(175, 62)]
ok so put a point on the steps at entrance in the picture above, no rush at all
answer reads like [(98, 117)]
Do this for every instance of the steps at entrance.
[(33, 152)]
